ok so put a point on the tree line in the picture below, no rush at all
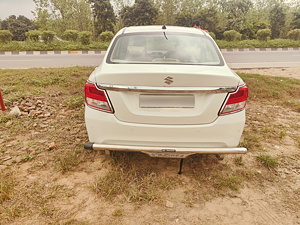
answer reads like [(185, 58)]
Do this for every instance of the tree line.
[(240, 19)]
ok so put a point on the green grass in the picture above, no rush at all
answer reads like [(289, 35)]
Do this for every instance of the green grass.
[(33, 82), (276, 43), (74, 102), (54, 46), (7, 185), (273, 90), (132, 183), (268, 161), (231, 182), (67, 159), (251, 142)]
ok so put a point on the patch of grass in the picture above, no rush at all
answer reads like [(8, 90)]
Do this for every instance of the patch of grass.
[(268, 161), (251, 142), (293, 104), (7, 185), (55, 45), (231, 182), (27, 158), (18, 84), (13, 212), (5, 118), (276, 43), (32, 199), (67, 160), (117, 212), (133, 183), (210, 178), (298, 142), (238, 161), (273, 90), (74, 102), (282, 134), (72, 222)]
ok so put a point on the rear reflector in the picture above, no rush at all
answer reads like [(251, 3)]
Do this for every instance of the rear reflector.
[(235, 101), (97, 98)]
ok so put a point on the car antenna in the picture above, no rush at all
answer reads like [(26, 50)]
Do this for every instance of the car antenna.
[(164, 28)]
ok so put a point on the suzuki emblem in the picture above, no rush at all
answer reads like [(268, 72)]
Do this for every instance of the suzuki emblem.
[(169, 80)]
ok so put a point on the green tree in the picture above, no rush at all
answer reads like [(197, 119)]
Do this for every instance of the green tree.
[(232, 35), (60, 15), (71, 14), (33, 35), (211, 19), (71, 35), (142, 12), (42, 14), (106, 36), (48, 36), (18, 26), (184, 19), (126, 18), (251, 28), (294, 34), (236, 11), (104, 17), (191, 6), (277, 20), (166, 11), (5, 35), (85, 37), (264, 34), (296, 20)]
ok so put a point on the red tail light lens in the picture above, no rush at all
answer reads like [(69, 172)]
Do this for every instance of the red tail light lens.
[(235, 101), (97, 98)]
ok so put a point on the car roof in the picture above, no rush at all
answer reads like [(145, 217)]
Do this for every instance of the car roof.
[(158, 28)]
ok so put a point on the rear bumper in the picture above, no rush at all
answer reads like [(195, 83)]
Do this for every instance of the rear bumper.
[(222, 136), (165, 152)]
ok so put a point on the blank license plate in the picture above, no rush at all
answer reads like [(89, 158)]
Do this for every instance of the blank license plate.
[(168, 154), (167, 101)]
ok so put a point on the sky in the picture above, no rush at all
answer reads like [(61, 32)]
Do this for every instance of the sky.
[(16, 7)]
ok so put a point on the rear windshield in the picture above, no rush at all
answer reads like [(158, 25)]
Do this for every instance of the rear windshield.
[(174, 48)]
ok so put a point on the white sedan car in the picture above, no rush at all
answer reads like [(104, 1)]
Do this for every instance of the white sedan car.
[(165, 91)]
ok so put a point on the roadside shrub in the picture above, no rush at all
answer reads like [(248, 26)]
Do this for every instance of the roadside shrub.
[(33, 35), (85, 37), (71, 35), (106, 36), (212, 34), (264, 34), (232, 35), (5, 35), (294, 34), (48, 36)]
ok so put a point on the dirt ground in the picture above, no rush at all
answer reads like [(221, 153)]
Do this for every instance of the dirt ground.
[(292, 72), (264, 196)]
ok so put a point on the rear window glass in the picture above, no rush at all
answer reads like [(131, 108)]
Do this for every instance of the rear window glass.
[(175, 48)]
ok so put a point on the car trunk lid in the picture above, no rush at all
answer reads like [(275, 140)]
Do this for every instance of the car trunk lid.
[(166, 94)]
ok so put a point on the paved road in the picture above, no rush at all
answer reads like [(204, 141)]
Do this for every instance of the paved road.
[(262, 59), (49, 60), (235, 59)]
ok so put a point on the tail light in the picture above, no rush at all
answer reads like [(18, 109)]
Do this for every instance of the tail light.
[(235, 101), (97, 98)]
